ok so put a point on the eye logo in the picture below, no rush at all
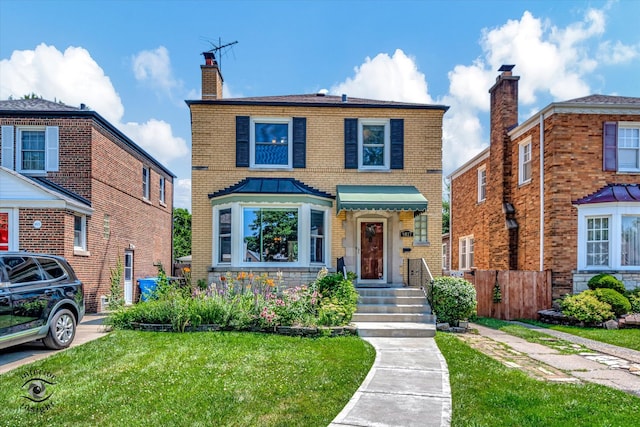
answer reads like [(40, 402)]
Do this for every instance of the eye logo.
[(37, 389)]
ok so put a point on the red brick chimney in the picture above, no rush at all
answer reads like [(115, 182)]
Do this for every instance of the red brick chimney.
[(502, 170), (211, 78)]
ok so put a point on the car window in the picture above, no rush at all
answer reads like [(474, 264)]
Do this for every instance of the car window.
[(50, 268), (22, 269)]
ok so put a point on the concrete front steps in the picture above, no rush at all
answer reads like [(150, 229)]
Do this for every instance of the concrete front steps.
[(393, 312)]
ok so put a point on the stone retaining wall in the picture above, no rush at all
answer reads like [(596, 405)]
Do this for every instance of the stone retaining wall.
[(631, 280), (303, 331)]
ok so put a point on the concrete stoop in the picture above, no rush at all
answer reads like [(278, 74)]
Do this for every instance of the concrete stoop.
[(394, 312)]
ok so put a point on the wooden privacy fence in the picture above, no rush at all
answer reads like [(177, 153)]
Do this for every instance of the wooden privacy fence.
[(517, 295)]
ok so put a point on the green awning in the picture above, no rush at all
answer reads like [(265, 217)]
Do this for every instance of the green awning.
[(380, 197)]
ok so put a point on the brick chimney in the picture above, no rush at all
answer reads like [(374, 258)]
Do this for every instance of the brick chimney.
[(503, 172), (211, 78)]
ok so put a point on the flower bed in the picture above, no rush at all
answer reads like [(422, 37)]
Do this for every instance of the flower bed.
[(245, 302)]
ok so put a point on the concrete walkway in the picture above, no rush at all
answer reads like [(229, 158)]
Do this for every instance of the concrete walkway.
[(90, 328), (408, 385), (598, 362)]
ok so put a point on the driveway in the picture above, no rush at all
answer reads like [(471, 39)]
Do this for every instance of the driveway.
[(10, 358)]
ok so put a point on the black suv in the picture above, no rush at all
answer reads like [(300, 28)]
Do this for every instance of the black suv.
[(40, 298)]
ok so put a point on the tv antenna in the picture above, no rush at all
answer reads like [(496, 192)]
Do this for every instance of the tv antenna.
[(218, 50)]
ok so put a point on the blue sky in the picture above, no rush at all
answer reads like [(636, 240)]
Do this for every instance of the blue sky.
[(136, 61)]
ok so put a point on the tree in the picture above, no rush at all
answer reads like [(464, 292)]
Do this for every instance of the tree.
[(181, 233), (446, 208), (275, 234)]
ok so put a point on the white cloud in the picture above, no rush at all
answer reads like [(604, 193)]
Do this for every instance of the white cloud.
[(73, 77), (154, 68), (182, 194), (155, 137), (388, 78), (617, 53)]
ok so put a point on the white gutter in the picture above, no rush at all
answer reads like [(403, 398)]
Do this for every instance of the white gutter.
[(541, 127)]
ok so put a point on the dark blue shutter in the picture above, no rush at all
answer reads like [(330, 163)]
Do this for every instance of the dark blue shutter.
[(397, 143), (351, 143), (299, 142), (610, 146), (242, 141)]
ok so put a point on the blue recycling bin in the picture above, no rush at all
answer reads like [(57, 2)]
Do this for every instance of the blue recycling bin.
[(147, 287)]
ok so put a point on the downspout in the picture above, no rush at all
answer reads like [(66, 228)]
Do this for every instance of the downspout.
[(541, 127)]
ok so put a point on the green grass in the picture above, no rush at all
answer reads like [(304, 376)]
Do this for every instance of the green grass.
[(563, 346), (629, 337), (487, 393), (192, 379)]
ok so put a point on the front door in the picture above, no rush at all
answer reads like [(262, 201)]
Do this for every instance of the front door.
[(372, 249), (128, 277), (4, 231)]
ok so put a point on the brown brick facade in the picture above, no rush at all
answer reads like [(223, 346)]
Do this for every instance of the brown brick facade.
[(96, 163), (573, 169)]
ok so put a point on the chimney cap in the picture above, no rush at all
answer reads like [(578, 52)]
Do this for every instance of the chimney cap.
[(506, 67)]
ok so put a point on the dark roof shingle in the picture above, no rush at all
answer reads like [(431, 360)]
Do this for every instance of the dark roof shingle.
[(612, 193)]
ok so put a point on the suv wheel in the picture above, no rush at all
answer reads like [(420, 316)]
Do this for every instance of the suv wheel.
[(61, 331)]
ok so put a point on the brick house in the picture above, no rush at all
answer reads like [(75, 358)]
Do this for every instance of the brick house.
[(71, 184), (558, 192), (291, 184)]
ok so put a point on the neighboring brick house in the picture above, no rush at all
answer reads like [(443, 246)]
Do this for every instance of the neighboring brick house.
[(291, 184), (71, 184), (565, 199)]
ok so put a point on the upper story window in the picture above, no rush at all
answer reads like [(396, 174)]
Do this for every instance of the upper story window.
[(373, 144), (524, 161), (162, 189), (445, 256), (36, 149), (271, 143), (629, 147), (145, 182), (420, 230), (482, 184)]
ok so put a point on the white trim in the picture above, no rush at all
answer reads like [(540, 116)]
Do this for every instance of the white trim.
[(83, 233), (14, 227), (521, 153), (387, 143), (615, 212), (631, 126), (162, 183), (466, 243), (483, 155), (482, 186), (146, 182), (252, 141)]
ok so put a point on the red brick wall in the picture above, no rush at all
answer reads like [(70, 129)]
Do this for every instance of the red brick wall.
[(95, 164)]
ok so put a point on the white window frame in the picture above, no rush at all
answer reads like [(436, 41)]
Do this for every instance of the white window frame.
[(525, 149), (417, 226), (162, 185), (252, 132), (482, 183), (318, 237), (82, 238), (465, 252), (445, 256), (628, 126), (387, 143), (51, 149), (237, 234), (146, 181), (615, 212)]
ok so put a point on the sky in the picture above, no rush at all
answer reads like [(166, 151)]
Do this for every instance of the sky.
[(135, 62)]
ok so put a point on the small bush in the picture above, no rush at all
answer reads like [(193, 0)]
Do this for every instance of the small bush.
[(585, 307), (634, 300), (452, 299), (618, 302), (606, 281)]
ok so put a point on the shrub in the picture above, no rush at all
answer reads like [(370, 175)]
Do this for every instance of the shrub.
[(606, 281), (618, 302), (452, 299), (339, 299), (634, 300), (585, 307)]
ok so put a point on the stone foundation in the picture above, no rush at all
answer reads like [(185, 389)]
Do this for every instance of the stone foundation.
[(283, 277), (631, 279)]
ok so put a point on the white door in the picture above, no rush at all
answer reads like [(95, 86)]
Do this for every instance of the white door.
[(128, 277), (372, 248)]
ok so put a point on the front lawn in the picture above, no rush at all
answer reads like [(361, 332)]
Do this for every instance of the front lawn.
[(628, 337), (487, 393), (191, 379)]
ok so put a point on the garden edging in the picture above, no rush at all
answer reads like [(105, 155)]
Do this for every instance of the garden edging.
[(303, 331)]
